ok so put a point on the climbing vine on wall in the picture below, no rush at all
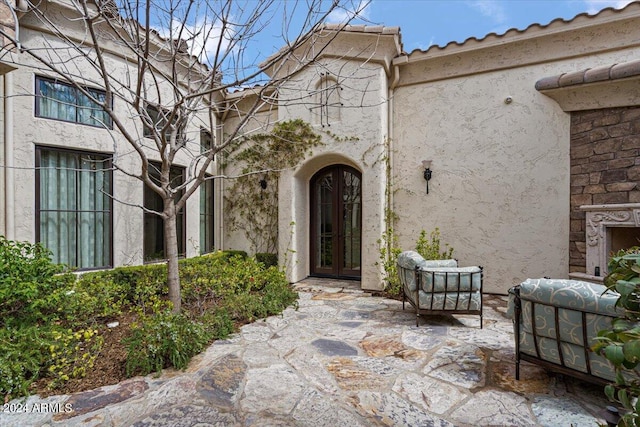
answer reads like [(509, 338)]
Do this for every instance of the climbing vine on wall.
[(252, 202), (429, 247), (388, 243)]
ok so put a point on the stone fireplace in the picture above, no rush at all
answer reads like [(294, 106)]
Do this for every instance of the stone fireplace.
[(608, 228), (605, 187)]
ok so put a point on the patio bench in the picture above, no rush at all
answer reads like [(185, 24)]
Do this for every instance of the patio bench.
[(555, 323), (439, 286)]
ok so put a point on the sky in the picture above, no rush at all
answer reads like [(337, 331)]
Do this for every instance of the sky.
[(437, 22), (423, 23)]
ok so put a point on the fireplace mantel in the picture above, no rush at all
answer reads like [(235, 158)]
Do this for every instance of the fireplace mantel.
[(599, 220)]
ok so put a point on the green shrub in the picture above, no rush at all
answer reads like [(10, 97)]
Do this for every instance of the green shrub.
[(209, 258), (231, 253), (164, 340), (427, 247), (430, 248), (96, 297), (621, 343), (218, 323), (241, 285), (268, 293), (48, 318), (267, 259), (276, 293), (51, 351), (16, 375), (217, 289), (32, 290), (137, 283), (23, 354), (26, 261), (40, 310), (206, 281), (142, 287), (72, 354), (234, 275), (245, 307)]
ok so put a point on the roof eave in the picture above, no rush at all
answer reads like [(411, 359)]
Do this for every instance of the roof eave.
[(533, 31)]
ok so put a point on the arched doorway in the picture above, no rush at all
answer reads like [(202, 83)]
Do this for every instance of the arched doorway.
[(336, 222)]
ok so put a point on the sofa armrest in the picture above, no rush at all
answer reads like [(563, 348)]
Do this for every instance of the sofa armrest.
[(410, 260), (514, 295)]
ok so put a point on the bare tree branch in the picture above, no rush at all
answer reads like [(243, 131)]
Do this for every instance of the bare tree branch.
[(162, 70)]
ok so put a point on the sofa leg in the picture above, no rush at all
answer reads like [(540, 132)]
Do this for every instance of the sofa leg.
[(517, 369), (417, 318), (481, 321)]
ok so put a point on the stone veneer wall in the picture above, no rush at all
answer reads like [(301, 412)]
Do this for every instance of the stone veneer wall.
[(605, 167)]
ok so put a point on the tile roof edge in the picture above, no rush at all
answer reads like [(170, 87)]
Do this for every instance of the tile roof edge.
[(369, 29), (513, 31), (590, 75)]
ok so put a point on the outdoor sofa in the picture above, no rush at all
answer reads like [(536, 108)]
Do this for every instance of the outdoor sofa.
[(555, 323), (439, 286)]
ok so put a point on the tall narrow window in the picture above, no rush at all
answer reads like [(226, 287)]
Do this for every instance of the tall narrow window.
[(206, 216), (328, 100), (62, 101), (73, 209), (153, 224), (206, 142), (159, 116)]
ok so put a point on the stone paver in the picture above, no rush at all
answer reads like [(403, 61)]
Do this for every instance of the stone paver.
[(343, 358)]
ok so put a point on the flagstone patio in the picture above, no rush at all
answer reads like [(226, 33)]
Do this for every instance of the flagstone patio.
[(343, 358)]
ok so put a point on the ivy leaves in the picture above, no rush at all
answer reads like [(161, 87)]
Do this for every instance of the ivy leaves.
[(252, 202), (287, 144)]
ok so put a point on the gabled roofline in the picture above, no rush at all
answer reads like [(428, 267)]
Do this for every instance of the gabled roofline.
[(345, 28), (334, 41)]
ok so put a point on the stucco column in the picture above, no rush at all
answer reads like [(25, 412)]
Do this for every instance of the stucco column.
[(9, 178)]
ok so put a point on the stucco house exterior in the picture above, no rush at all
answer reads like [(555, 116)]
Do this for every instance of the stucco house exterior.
[(59, 185), (533, 139)]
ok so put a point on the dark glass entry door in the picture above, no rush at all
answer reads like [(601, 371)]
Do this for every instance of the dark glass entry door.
[(336, 222)]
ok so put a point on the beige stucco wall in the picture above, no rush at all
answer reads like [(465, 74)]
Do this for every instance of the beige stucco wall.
[(500, 186), (234, 122), (30, 131), (3, 161), (363, 117)]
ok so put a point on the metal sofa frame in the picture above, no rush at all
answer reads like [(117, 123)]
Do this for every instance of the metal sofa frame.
[(415, 301), (552, 366)]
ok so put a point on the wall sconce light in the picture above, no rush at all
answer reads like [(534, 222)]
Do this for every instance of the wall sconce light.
[(263, 185), (427, 172)]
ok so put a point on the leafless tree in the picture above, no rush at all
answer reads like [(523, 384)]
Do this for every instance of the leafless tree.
[(182, 59)]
